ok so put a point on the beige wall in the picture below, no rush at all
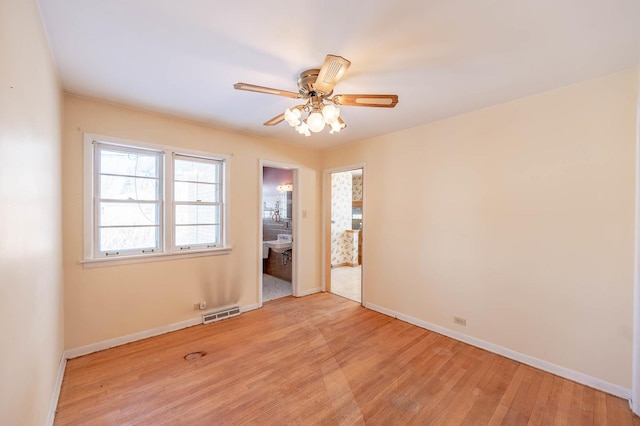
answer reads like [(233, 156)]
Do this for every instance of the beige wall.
[(518, 217), (109, 302), (31, 322)]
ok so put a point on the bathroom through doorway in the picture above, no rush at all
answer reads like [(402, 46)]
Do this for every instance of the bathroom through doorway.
[(278, 214)]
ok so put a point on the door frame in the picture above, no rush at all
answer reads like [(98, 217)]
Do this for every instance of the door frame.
[(295, 272), (326, 224), (635, 367)]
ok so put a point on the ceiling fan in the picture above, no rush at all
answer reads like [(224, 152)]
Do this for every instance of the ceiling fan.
[(315, 86)]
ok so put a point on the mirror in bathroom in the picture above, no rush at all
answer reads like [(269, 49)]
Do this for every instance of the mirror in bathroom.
[(356, 215)]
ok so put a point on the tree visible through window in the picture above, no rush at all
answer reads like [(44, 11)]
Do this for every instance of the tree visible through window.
[(197, 202), (147, 200), (128, 188)]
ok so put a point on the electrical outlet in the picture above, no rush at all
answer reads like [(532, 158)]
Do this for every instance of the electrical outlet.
[(203, 305), (196, 306), (460, 321)]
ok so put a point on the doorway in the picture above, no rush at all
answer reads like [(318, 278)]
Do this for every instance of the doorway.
[(277, 229), (344, 232)]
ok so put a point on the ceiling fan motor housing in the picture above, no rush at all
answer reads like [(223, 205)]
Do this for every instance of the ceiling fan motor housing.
[(307, 81)]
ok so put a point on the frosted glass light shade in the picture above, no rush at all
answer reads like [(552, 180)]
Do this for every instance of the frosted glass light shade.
[(315, 121), (336, 126), (292, 116), (303, 129), (330, 113)]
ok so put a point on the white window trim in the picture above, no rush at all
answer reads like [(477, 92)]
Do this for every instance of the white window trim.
[(159, 154), (90, 261), (223, 219)]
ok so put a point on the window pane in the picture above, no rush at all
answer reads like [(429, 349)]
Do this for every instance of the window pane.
[(187, 191), (123, 214), (196, 171), (125, 188), (195, 235), (114, 161), (193, 215), (113, 239)]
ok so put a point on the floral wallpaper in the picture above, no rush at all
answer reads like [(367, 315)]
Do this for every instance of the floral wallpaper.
[(353, 243), (341, 241), (357, 188)]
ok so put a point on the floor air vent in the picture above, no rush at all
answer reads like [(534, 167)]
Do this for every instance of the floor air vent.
[(208, 317)]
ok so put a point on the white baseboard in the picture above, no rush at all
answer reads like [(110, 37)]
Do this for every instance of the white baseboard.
[(309, 291), (106, 344), (117, 341), (567, 373), (247, 308), (56, 391)]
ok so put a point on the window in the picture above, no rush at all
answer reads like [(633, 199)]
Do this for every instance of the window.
[(144, 201), (127, 200), (197, 202)]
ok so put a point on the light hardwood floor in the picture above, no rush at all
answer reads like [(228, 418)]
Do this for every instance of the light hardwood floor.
[(321, 359)]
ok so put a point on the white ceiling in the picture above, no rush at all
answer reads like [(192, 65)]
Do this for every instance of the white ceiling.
[(442, 58)]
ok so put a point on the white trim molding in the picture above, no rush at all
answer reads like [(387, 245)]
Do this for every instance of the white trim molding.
[(159, 257), (297, 224), (558, 370), (111, 343), (309, 291), (635, 369), (129, 338), (166, 248), (57, 386), (326, 211), (247, 308)]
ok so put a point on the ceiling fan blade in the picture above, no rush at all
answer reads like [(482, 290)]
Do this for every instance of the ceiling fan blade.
[(267, 90), (382, 101), (275, 120), (330, 73)]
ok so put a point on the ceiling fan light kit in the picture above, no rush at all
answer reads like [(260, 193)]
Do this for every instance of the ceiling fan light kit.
[(315, 86)]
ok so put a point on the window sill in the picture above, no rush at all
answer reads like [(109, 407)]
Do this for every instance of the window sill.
[(158, 257)]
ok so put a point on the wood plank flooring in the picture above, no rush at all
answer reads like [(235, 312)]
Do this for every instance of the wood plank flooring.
[(321, 359)]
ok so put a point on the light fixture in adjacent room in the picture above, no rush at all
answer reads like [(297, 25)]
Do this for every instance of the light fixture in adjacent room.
[(285, 188)]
